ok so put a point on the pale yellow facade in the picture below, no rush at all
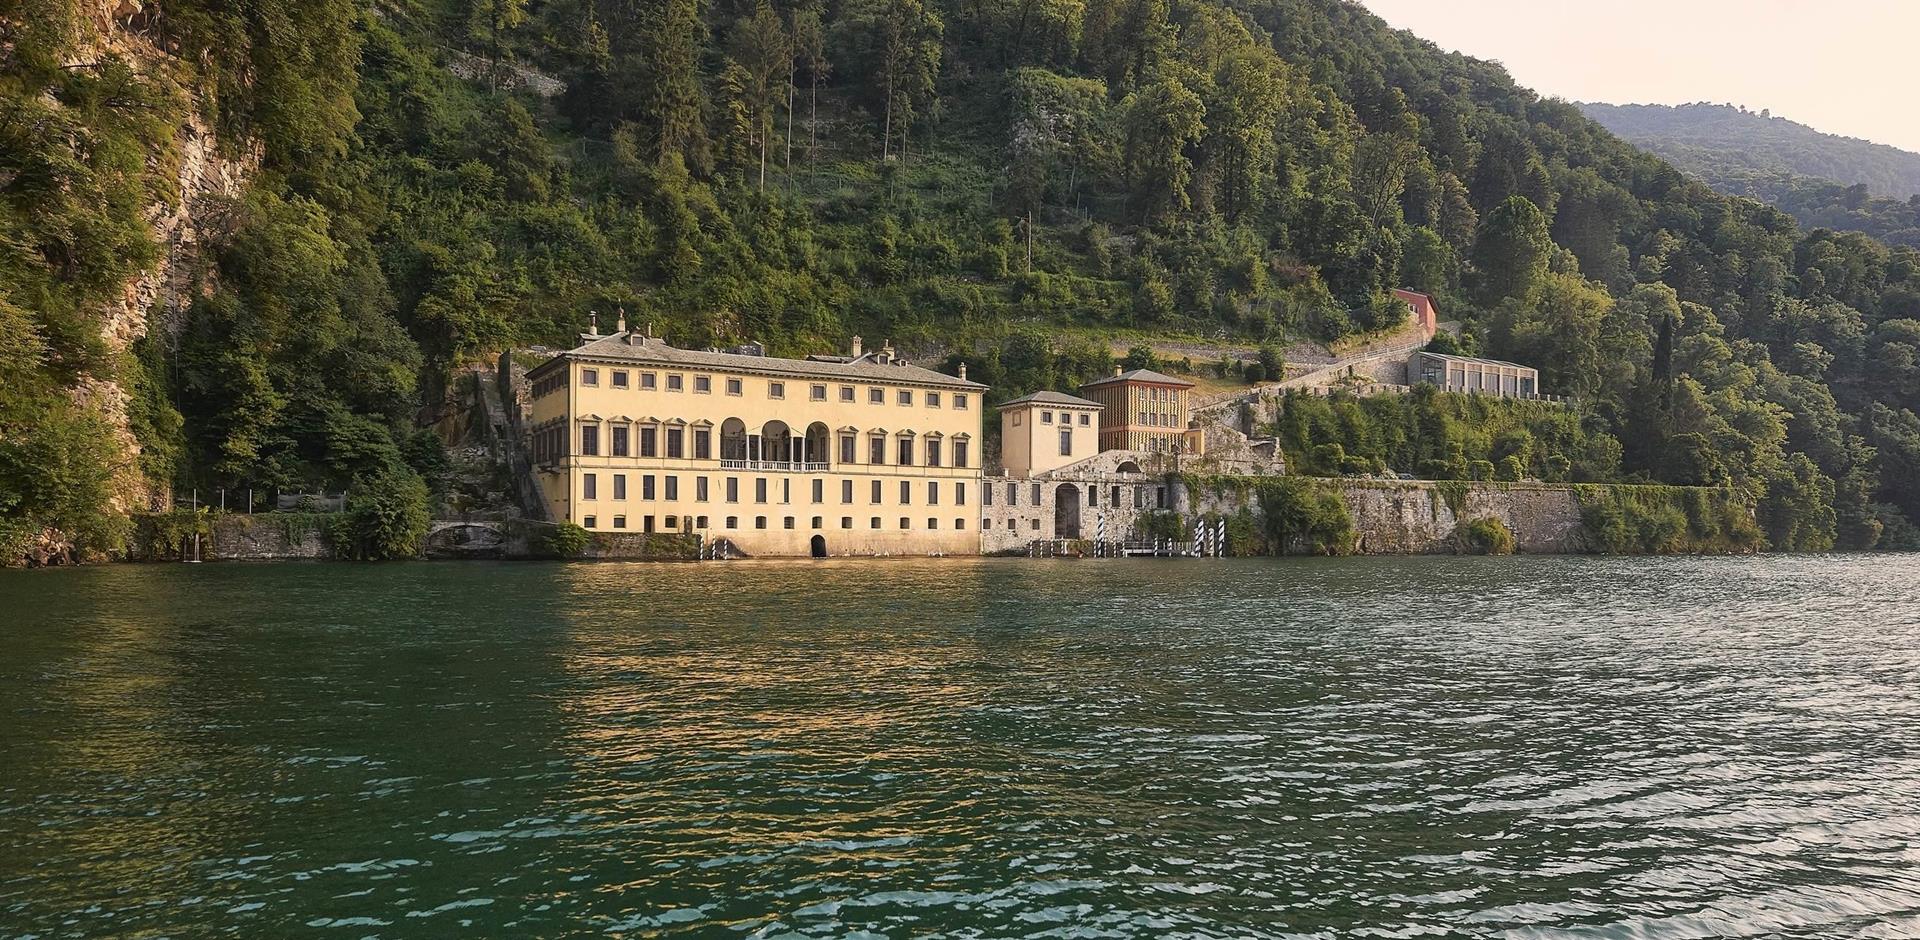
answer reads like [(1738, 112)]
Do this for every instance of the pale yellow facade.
[(1046, 431), (843, 455)]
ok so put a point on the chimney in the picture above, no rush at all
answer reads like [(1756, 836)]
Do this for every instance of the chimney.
[(593, 323), (1116, 371), (856, 347), (622, 327), (963, 371)]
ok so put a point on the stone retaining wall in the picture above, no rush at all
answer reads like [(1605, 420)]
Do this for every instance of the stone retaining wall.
[(1417, 517)]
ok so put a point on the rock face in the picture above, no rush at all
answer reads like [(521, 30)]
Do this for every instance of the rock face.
[(1419, 517), (205, 182)]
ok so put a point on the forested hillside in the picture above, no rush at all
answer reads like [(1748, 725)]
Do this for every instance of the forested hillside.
[(994, 181), (1722, 138), (1822, 180)]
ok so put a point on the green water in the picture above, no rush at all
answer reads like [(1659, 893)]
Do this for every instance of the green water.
[(1511, 747)]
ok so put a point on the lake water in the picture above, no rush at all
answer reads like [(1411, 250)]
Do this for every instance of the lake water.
[(1384, 747)]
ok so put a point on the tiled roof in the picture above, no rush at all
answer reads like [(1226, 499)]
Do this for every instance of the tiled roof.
[(654, 351), (1051, 398), (1140, 375)]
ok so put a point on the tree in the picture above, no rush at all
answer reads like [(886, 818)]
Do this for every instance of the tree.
[(1511, 254), (1162, 121), (810, 49), (387, 515), (1139, 357), (899, 43), (765, 53), (675, 103), (488, 23)]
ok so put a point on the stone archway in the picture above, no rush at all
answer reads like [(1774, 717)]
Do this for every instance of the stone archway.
[(1066, 511), (818, 546)]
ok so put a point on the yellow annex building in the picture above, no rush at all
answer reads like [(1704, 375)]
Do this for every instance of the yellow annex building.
[(861, 454)]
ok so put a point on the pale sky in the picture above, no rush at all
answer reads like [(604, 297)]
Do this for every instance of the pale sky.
[(1841, 66)]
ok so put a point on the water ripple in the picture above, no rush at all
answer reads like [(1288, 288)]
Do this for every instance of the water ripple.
[(1426, 747)]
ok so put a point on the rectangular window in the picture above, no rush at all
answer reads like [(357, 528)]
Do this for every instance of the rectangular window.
[(733, 522), (620, 441), (590, 441), (676, 382), (846, 393), (1046, 417), (906, 523), (619, 486), (846, 522), (619, 381), (875, 497), (589, 376), (817, 392), (649, 442), (819, 491), (703, 385), (786, 489), (876, 396), (733, 490), (589, 521), (933, 523), (1083, 420), (1016, 418), (649, 381), (960, 402), (787, 523), (960, 454), (906, 492), (846, 448), (933, 399), (959, 523), (673, 487), (776, 389), (846, 491), (702, 444), (619, 522), (877, 452), (760, 489), (589, 486), (646, 486), (759, 522), (933, 492), (906, 452), (986, 494), (700, 491), (1036, 494), (733, 386), (1066, 442), (676, 442), (873, 523), (959, 494), (1013, 494), (906, 398), (933, 452)]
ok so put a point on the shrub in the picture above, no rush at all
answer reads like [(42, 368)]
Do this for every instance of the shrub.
[(566, 540), (386, 516), (1299, 508), (1483, 536)]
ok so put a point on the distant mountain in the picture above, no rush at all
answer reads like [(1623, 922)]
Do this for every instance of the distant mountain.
[(1822, 180), (1713, 140)]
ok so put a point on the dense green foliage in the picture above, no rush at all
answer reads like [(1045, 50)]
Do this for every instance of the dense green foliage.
[(1631, 520), (997, 182), (565, 540), (387, 516), (1295, 514)]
